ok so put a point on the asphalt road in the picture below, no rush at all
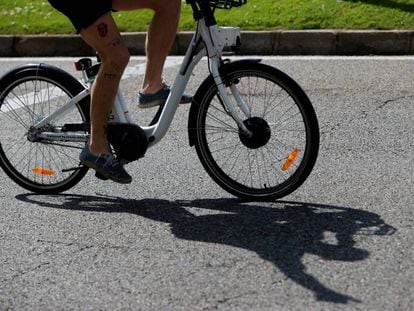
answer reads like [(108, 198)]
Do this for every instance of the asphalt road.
[(173, 240)]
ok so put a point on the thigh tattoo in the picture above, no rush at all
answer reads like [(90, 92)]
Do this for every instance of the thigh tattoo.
[(102, 30)]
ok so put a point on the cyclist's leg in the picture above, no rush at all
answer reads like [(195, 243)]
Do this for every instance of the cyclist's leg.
[(161, 35), (103, 35)]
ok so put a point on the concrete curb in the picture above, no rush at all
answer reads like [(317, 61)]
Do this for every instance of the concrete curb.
[(282, 42)]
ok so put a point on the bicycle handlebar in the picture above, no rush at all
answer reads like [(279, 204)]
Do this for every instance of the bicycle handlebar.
[(205, 8), (220, 4)]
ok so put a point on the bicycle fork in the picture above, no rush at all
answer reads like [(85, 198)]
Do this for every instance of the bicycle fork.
[(216, 39), (227, 101)]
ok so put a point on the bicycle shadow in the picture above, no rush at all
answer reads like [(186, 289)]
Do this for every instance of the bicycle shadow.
[(281, 234)]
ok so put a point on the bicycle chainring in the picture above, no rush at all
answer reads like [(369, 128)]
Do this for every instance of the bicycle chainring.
[(128, 141)]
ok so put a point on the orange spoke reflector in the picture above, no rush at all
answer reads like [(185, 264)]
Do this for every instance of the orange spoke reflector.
[(43, 171), (291, 158)]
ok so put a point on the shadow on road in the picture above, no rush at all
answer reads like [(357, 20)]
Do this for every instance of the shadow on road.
[(280, 232)]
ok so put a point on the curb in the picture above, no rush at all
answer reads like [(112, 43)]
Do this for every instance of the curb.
[(280, 42)]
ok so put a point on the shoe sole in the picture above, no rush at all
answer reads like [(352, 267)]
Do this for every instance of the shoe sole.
[(151, 104), (156, 103), (105, 173)]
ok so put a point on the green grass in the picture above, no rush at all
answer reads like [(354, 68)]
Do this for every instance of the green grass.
[(38, 17)]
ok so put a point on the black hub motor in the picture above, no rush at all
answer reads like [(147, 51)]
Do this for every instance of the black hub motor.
[(260, 133)]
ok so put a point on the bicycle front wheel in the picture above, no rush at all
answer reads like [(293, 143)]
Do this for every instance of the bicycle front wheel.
[(27, 95), (281, 152)]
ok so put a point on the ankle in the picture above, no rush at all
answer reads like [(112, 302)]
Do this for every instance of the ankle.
[(152, 88), (97, 150)]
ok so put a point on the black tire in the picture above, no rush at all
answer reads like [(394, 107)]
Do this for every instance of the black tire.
[(27, 94), (285, 125)]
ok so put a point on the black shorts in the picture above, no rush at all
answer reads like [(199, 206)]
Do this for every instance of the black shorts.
[(82, 13)]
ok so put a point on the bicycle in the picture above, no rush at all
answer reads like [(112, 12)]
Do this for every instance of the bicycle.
[(253, 127)]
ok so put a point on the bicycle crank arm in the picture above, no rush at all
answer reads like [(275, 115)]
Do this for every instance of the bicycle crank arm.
[(97, 175), (65, 170)]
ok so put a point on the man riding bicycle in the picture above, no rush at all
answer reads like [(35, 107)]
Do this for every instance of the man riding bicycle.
[(93, 21)]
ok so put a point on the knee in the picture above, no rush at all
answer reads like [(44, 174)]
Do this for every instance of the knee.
[(121, 58), (117, 58)]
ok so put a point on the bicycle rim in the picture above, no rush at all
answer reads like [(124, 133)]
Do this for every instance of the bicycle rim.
[(279, 157), (44, 167)]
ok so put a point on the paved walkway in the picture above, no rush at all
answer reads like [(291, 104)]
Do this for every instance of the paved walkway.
[(282, 42)]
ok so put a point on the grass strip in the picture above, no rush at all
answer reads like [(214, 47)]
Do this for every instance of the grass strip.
[(38, 17)]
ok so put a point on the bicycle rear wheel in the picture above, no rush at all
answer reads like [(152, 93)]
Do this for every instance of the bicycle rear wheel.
[(283, 149), (27, 95)]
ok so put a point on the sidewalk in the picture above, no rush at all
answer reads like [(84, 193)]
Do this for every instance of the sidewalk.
[(283, 42)]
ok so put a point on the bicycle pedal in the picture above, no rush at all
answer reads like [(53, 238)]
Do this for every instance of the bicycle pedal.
[(100, 176)]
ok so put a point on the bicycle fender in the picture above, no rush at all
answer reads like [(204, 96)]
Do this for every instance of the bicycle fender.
[(205, 85), (52, 72)]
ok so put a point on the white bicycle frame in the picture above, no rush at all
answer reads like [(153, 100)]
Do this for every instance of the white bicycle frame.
[(215, 39)]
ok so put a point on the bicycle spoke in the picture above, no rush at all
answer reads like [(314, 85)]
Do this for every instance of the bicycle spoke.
[(222, 149), (13, 114), (221, 121), (64, 145), (217, 129)]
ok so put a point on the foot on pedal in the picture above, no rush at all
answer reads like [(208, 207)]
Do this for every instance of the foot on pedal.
[(105, 165)]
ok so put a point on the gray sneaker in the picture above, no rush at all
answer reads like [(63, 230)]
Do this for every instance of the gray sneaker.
[(159, 98), (105, 165)]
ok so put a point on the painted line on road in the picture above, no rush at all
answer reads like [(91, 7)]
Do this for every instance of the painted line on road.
[(180, 58), (139, 69), (175, 61)]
